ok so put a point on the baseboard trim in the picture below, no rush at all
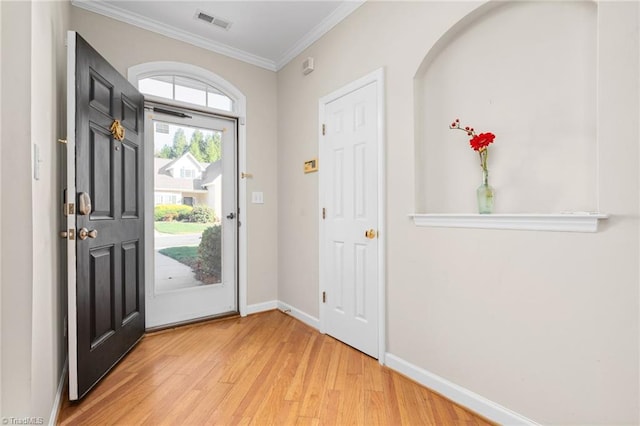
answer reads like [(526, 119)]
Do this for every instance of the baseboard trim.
[(458, 394), (299, 315), (57, 402), (262, 307)]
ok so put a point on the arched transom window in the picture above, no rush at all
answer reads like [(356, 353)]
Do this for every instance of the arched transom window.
[(185, 89), (187, 84)]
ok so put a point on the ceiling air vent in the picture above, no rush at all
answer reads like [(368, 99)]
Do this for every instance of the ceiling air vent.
[(222, 23), (205, 17), (213, 20)]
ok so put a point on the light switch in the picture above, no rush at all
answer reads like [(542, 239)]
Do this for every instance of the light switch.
[(257, 198)]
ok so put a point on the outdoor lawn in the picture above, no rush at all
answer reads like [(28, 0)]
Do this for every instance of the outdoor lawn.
[(186, 255), (181, 227)]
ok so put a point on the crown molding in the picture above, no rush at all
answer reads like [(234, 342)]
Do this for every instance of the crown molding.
[(340, 13), (112, 11)]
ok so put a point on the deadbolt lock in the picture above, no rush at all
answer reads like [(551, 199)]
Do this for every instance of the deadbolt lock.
[(83, 233), (84, 204)]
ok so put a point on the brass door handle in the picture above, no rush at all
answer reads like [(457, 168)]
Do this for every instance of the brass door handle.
[(370, 234), (83, 233)]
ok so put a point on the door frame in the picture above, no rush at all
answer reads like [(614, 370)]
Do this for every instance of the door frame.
[(239, 112), (377, 77), (72, 312)]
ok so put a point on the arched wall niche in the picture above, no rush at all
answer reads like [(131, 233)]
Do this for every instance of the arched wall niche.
[(526, 71)]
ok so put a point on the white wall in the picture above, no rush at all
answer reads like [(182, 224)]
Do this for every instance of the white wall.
[(49, 23), (543, 323), (124, 45), (32, 299), (17, 242), (537, 95)]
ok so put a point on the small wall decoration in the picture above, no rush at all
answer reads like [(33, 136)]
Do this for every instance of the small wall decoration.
[(117, 130), (480, 144)]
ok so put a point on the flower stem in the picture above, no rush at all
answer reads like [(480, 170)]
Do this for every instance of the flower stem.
[(468, 132)]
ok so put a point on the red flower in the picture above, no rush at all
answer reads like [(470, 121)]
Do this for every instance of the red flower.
[(481, 141)]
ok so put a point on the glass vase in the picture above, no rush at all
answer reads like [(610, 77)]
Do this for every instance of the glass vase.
[(485, 194)]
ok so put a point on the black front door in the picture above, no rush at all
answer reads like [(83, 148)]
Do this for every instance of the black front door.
[(106, 303)]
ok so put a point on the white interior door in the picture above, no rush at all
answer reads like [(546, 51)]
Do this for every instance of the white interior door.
[(349, 249), (192, 255)]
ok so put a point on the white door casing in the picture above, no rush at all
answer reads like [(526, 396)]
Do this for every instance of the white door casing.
[(351, 193), (71, 219), (187, 304)]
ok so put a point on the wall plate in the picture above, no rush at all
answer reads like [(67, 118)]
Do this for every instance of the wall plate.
[(311, 166)]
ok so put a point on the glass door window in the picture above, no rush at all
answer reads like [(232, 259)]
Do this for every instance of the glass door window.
[(194, 217)]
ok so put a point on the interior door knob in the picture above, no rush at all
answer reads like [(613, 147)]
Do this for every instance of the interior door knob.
[(83, 233), (370, 234)]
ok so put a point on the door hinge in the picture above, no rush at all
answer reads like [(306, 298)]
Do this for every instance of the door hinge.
[(324, 213), (324, 129), (324, 297), (69, 209)]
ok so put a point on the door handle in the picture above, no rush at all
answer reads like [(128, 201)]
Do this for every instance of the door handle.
[(231, 215), (370, 234), (83, 233)]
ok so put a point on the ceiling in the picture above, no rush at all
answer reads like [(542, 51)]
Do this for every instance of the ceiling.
[(268, 34)]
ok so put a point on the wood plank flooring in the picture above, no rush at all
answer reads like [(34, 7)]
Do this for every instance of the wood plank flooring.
[(263, 369)]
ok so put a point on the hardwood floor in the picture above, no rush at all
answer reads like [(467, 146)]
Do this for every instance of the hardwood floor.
[(263, 369)]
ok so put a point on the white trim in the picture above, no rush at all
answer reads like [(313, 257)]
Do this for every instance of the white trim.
[(139, 71), (382, 220), (286, 308), (340, 13), (262, 307), (377, 77), (111, 10), (55, 409), (299, 315), (72, 315), (474, 402), (243, 258), (568, 222)]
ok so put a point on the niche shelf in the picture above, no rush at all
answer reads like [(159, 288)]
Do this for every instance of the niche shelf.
[(537, 163), (564, 222)]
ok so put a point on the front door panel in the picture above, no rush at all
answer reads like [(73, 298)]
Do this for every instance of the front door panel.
[(106, 300)]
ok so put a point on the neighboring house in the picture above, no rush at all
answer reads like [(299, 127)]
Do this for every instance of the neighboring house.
[(184, 180)]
